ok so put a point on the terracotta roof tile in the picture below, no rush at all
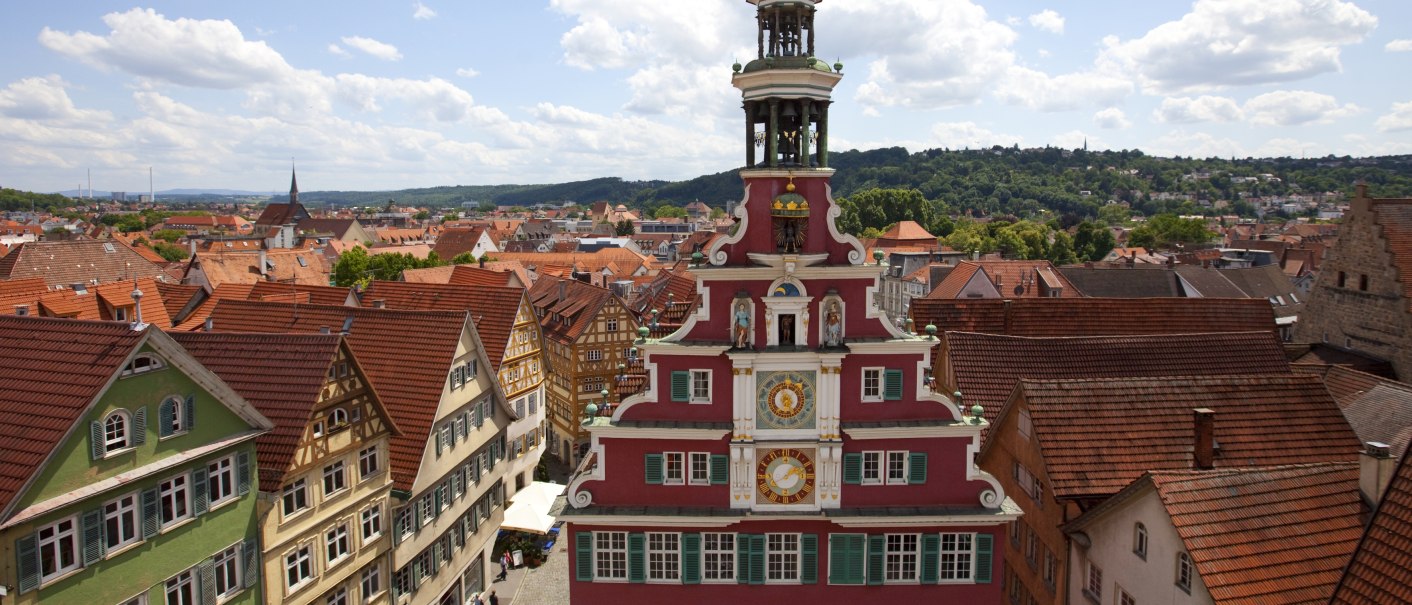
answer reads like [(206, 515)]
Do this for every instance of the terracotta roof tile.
[(955, 280), (1099, 435), (1377, 408), (491, 307), (1380, 571), (76, 262), (1122, 282), (176, 298), (50, 370), (577, 302), (285, 267), (406, 354), (1272, 536), (457, 241), (1094, 316)]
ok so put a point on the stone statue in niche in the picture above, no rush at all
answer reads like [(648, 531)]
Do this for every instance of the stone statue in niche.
[(742, 326), (833, 326)]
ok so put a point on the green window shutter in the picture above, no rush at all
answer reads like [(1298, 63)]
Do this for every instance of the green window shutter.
[(876, 545), (206, 571), (27, 563), (916, 468), (95, 440), (637, 558), (139, 426), (198, 491), (681, 386), (479, 418), (652, 465), (189, 409), (892, 385), (583, 556), (852, 469), (757, 559), (165, 415), (855, 558), (252, 562), (242, 472), (691, 558), (436, 436), (720, 469), (931, 557), (438, 554), (983, 554), (436, 499), (809, 558), (838, 559), (151, 521), (92, 536), (742, 558)]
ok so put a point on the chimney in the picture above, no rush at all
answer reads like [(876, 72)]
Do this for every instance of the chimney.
[(210, 323), (1203, 452), (563, 289), (1375, 468), (21, 310), (192, 242), (481, 261), (380, 304)]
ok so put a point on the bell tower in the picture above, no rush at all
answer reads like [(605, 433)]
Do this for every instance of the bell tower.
[(786, 92)]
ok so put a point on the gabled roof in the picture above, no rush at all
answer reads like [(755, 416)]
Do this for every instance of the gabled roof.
[(454, 242), (1380, 570), (50, 371), (1377, 408), (339, 227), (282, 214), (1005, 276), (673, 294), (406, 355), (1094, 316), (71, 304), (1097, 436), (1122, 282), (1274, 536), (955, 280), (282, 375), (492, 308), (986, 367), (297, 266), (577, 303), (64, 263), (1207, 282)]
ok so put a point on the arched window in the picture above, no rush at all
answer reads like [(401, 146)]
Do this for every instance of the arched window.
[(1184, 571), (338, 417), (146, 362), (176, 415), (115, 431), (1140, 540)]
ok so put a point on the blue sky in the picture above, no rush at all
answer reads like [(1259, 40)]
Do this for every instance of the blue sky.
[(384, 95)]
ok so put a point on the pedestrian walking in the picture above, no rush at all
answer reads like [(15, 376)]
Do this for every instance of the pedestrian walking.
[(494, 600)]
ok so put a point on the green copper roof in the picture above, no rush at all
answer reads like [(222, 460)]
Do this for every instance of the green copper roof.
[(787, 63)]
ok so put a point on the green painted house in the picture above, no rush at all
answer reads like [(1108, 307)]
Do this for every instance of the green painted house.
[(125, 470)]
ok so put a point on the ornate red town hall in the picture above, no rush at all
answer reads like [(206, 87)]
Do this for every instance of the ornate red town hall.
[(787, 444)]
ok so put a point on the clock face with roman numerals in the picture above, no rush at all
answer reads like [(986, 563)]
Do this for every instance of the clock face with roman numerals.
[(785, 476)]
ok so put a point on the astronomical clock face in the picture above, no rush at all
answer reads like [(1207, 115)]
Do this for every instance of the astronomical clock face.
[(785, 476), (785, 400)]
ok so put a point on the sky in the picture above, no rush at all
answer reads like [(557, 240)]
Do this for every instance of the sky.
[(365, 95)]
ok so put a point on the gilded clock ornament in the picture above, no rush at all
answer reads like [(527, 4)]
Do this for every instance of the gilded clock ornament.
[(785, 476), (785, 400)]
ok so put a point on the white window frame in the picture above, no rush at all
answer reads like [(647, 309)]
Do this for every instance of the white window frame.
[(148, 363), (877, 459), (121, 512), (1186, 571), (718, 558), (612, 325), (700, 378), (595, 354), (182, 582), (178, 417), (673, 468), (610, 555), (699, 461), (62, 532), (369, 462), (902, 554), (370, 581), (876, 376), (178, 489), (228, 568), (1124, 598), (1093, 582), (664, 557), (370, 523), (337, 545), (778, 559), (334, 473), (338, 417), (296, 492), (299, 567), (898, 468), (337, 596), (220, 481), (1140, 540), (123, 441), (962, 555)]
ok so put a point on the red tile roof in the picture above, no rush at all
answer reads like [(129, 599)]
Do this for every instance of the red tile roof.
[(1272, 536), (1380, 571), (50, 371), (492, 308), (63, 263), (457, 241), (1099, 435), (986, 367), (177, 297), (1006, 276), (406, 354), (576, 302), (1094, 316)]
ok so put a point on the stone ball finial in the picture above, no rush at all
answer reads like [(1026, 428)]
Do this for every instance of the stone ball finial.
[(737, 67), (838, 67), (931, 331), (977, 411), (590, 410)]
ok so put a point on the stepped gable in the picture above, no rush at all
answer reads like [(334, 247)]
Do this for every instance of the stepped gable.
[(1094, 316), (1395, 218), (65, 263), (1100, 435), (51, 370), (1380, 570), (406, 355), (986, 367), (490, 307), (282, 375)]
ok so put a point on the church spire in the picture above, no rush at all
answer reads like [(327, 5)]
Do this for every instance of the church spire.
[(293, 185)]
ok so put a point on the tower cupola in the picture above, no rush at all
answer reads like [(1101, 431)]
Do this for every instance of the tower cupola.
[(786, 89)]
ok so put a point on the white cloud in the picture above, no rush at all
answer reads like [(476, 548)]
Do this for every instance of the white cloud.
[(421, 12), (187, 52), (467, 72), (1194, 144), (1288, 108), (1398, 120), (1111, 118), (961, 135), (1206, 108), (1399, 46), (335, 49), (1047, 20), (46, 100), (380, 50), (1224, 43), (1040, 91)]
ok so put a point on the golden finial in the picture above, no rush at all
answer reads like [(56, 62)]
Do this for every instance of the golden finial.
[(790, 186)]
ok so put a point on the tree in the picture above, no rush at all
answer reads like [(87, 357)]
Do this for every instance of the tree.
[(669, 211), (352, 268), (624, 228), (421, 216), (170, 236), (717, 213), (170, 252), (1061, 250)]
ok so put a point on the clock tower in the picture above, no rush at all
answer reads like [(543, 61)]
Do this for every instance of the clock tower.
[(787, 443)]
